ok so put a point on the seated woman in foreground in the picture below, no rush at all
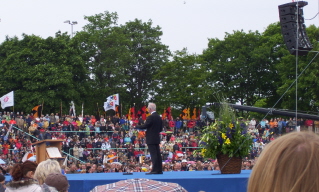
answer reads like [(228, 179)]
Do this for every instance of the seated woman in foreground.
[(289, 163)]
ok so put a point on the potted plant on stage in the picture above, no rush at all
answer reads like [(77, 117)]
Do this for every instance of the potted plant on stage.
[(227, 140)]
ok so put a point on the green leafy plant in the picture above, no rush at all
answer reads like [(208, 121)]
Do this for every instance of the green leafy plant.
[(227, 135)]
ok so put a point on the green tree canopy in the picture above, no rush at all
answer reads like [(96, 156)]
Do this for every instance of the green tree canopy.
[(182, 82), (42, 71), (241, 68)]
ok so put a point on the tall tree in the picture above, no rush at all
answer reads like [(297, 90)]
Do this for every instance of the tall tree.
[(121, 59), (103, 47), (41, 70), (144, 57), (182, 82), (102, 44), (240, 67)]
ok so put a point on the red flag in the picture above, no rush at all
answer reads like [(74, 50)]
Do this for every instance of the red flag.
[(142, 113), (117, 113), (133, 116), (168, 113), (164, 114), (128, 116)]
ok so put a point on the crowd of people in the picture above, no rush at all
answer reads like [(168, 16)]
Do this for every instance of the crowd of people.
[(111, 144)]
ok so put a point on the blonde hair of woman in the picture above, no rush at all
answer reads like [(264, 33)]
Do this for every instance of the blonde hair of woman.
[(289, 163), (45, 168)]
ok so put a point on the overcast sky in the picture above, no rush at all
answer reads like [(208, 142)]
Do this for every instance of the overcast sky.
[(185, 23)]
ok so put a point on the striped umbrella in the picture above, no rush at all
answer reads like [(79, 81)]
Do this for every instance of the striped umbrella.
[(140, 185)]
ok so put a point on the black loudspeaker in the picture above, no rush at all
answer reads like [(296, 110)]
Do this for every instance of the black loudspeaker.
[(288, 15)]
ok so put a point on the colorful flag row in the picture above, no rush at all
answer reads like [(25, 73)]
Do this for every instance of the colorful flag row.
[(186, 115), (143, 112)]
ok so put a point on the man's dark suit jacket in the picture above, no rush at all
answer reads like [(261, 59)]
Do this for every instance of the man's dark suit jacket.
[(153, 126)]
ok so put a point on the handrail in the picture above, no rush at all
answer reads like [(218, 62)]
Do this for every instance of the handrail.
[(39, 139), (83, 131)]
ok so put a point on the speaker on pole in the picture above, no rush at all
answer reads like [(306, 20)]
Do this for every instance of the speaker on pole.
[(293, 27)]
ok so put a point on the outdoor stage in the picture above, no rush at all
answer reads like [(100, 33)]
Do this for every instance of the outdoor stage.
[(192, 181)]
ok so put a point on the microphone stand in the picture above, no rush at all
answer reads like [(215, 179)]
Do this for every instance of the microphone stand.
[(127, 172)]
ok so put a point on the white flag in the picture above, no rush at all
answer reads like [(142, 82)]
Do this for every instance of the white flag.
[(7, 100), (109, 105), (72, 109), (65, 162), (115, 98)]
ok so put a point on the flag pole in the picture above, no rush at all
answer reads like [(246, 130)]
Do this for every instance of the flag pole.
[(61, 109), (134, 111), (98, 110), (82, 109), (42, 106)]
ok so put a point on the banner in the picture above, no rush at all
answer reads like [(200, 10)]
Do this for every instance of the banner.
[(142, 113), (72, 109), (194, 113), (115, 98), (184, 114), (117, 112), (37, 111), (131, 113), (164, 114), (167, 113), (7, 100), (108, 105)]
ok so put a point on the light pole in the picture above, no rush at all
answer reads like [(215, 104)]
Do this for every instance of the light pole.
[(71, 23)]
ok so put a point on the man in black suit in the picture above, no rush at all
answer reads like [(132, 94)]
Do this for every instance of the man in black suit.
[(153, 126)]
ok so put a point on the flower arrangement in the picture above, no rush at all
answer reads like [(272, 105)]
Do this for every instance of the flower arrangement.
[(227, 135)]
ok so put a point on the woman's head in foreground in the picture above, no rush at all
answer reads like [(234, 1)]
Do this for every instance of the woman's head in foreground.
[(289, 163)]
